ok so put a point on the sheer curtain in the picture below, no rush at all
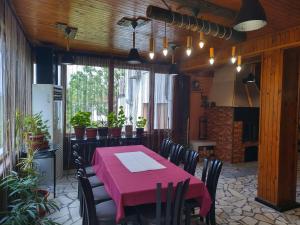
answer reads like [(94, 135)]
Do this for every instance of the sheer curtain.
[(131, 90), (16, 74)]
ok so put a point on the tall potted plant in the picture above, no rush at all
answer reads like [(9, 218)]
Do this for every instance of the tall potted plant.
[(129, 127), (79, 122), (91, 130), (116, 122), (140, 124), (102, 129)]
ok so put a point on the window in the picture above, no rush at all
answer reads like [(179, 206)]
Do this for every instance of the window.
[(132, 92), (87, 90), (163, 101)]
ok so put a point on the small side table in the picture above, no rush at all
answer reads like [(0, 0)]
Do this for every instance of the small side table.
[(204, 147), (49, 153)]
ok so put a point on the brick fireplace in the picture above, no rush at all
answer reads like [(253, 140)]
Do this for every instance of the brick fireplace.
[(235, 131)]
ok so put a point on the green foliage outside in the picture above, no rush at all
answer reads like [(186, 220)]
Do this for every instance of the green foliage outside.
[(141, 122)]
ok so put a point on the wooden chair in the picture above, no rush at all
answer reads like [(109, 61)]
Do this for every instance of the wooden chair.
[(176, 154), (76, 155), (165, 148), (103, 213), (165, 213), (211, 177), (190, 161)]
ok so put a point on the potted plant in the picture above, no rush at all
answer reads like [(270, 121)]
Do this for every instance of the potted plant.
[(79, 122), (102, 129), (26, 204), (116, 122), (140, 124), (35, 131), (91, 130), (129, 127)]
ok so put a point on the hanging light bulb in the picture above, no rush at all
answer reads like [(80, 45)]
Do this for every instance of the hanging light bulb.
[(233, 57), (239, 64), (211, 56), (189, 45), (165, 42), (151, 47), (151, 43), (201, 40)]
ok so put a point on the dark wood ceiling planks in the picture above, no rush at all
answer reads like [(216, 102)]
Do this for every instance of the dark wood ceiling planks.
[(98, 31)]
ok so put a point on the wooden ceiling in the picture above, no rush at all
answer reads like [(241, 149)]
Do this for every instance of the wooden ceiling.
[(98, 31)]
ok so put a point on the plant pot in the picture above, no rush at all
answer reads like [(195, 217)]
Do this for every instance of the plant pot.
[(39, 145), (128, 130), (115, 132), (139, 132), (79, 132), (45, 194), (91, 133), (37, 138), (103, 131)]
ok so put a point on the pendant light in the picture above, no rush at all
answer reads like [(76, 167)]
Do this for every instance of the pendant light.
[(173, 69), (251, 16), (151, 44), (239, 64), (233, 56), (67, 58), (201, 40), (165, 42), (189, 45), (211, 56), (133, 56)]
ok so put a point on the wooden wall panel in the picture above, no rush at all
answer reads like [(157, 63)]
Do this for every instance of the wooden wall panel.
[(278, 129)]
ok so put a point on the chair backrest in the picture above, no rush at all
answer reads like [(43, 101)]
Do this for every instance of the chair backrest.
[(204, 170), (213, 175), (79, 164), (165, 148), (191, 158), (177, 151), (173, 205), (89, 204)]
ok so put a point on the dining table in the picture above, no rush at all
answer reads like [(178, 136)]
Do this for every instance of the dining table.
[(130, 175)]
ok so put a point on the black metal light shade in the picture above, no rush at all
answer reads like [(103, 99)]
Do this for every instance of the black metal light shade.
[(173, 69), (251, 16), (67, 59), (249, 79), (134, 57)]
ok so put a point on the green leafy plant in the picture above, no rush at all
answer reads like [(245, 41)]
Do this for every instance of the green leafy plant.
[(34, 125), (101, 123), (81, 119), (25, 201), (141, 122), (116, 120), (93, 124)]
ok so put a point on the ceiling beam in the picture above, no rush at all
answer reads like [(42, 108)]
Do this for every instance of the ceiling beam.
[(202, 6), (194, 24), (280, 40)]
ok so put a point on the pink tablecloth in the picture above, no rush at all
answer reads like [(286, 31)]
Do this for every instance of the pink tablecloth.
[(131, 189)]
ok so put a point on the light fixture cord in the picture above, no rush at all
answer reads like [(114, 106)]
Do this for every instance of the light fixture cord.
[(133, 39), (68, 44)]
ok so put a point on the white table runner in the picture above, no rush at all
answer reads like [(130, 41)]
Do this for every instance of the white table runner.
[(138, 161)]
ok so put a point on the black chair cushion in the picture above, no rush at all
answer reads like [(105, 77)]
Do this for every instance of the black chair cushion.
[(89, 171), (106, 212), (95, 182), (100, 194)]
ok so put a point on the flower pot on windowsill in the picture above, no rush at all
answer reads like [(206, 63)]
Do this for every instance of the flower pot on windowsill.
[(79, 132), (103, 131), (128, 130), (38, 142), (139, 132), (91, 133), (115, 132)]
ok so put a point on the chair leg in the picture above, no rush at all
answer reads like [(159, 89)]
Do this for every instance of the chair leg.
[(212, 216), (188, 216)]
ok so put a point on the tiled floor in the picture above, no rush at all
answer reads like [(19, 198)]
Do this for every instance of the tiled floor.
[(235, 202)]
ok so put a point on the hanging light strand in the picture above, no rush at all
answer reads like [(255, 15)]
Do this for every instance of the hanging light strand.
[(239, 64), (201, 40), (165, 42), (211, 56), (151, 44), (189, 45), (233, 55)]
